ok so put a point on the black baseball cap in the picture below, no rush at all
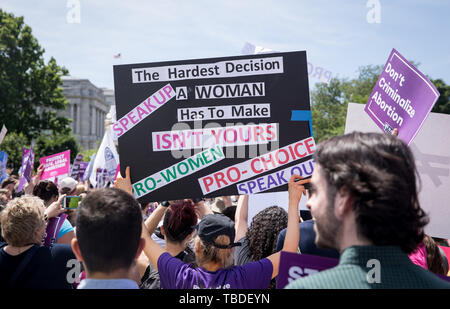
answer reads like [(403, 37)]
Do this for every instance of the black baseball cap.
[(214, 225)]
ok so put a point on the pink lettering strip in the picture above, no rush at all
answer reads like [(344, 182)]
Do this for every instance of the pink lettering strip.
[(208, 137), (143, 110), (256, 166)]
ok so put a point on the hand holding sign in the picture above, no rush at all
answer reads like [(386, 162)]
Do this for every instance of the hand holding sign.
[(395, 132), (296, 188), (201, 209), (124, 183), (38, 175)]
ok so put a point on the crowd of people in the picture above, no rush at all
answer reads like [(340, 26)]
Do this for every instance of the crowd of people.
[(363, 205)]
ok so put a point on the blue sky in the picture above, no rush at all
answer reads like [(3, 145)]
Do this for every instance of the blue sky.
[(335, 34)]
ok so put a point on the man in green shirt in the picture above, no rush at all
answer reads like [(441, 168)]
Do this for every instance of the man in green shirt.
[(365, 205)]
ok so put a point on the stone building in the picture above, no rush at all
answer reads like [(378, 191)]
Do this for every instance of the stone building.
[(109, 96), (87, 108)]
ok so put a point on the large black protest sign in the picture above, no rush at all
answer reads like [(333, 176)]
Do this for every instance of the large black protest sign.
[(212, 127)]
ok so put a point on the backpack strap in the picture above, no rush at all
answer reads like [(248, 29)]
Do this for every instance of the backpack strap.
[(18, 274)]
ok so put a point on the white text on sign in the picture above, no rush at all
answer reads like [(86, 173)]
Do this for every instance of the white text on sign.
[(230, 68), (243, 111)]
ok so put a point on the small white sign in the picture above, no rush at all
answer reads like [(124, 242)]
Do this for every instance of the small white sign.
[(3, 133), (261, 201)]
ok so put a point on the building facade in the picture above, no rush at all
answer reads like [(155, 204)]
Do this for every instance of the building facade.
[(109, 96), (87, 108)]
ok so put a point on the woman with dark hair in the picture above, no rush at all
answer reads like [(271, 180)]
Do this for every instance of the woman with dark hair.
[(47, 191), (178, 228), (260, 239), (435, 260)]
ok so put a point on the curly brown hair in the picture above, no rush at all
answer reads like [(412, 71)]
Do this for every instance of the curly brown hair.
[(435, 261), (263, 231)]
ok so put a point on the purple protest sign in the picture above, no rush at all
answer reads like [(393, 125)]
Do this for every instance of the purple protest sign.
[(117, 171), (83, 167), (75, 169), (27, 166), (53, 227), (101, 177), (55, 165), (294, 266), (402, 98)]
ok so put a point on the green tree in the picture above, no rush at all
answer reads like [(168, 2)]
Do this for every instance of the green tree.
[(359, 89), (13, 145), (443, 102), (51, 144), (328, 109), (30, 92), (329, 101), (44, 145), (30, 95)]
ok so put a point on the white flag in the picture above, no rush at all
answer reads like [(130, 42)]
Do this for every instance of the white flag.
[(107, 159), (3, 133), (112, 114)]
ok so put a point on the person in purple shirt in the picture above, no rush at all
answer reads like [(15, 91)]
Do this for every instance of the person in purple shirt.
[(214, 250)]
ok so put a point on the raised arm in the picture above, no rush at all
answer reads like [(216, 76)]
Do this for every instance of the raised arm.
[(241, 217), (151, 249), (201, 209), (296, 190), (155, 217), (29, 187), (227, 201)]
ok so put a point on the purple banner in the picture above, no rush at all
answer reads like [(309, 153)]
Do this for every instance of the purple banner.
[(294, 266), (446, 278), (75, 170), (402, 98), (27, 166), (101, 177), (83, 166), (53, 227)]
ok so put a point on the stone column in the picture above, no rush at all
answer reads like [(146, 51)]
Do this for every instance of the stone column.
[(79, 119)]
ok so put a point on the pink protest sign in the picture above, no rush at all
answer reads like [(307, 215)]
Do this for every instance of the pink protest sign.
[(117, 171), (55, 165), (402, 98)]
